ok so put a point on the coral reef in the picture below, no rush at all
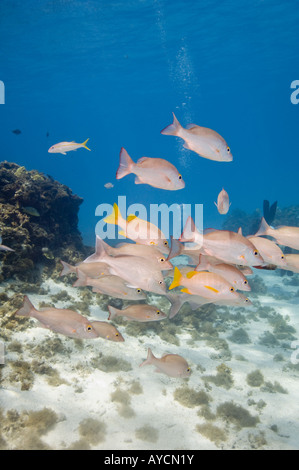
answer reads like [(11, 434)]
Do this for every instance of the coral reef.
[(38, 219)]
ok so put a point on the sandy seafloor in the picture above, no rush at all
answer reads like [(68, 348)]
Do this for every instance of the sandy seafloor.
[(114, 408)]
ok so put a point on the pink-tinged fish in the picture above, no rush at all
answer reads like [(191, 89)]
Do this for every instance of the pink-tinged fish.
[(205, 284), (270, 252), (205, 142), (63, 321), (155, 172), (196, 301), (284, 235), (230, 247), (172, 365), (64, 147), (111, 285), (131, 249), (138, 312), (292, 263), (137, 271), (93, 270), (222, 203), (232, 274), (3, 247), (139, 230), (107, 331)]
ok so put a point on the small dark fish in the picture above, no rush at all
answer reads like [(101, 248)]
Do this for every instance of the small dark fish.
[(47, 134), (269, 211), (17, 131)]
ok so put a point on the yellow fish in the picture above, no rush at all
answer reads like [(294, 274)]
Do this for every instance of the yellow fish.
[(64, 147)]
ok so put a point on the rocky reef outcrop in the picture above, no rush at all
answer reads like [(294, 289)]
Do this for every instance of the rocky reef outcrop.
[(38, 220)]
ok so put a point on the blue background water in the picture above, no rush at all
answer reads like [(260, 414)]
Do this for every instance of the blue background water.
[(114, 71)]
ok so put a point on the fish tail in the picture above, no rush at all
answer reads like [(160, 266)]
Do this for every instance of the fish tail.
[(115, 217), (172, 129), (189, 231), (176, 303), (263, 229), (176, 248), (177, 277), (67, 268), (125, 164), (84, 144), (27, 308), (149, 359), (82, 279), (113, 312)]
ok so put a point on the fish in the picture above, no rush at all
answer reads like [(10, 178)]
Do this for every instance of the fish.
[(292, 262), (107, 331), (31, 211), (64, 147), (205, 142), (155, 172), (93, 270), (228, 246), (63, 321), (270, 252), (16, 131), (205, 284), (137, 271), (228, 271), (111, 285), (137, 312), (222, 203), (284, 235), (139, 230), (269, 211), (172, 365), (108, 185), (4, 247), (143, 251)]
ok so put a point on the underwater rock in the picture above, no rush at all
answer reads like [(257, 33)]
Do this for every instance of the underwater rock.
[(36, 240)]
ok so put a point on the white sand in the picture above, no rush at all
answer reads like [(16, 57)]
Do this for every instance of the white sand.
[(87, 393)]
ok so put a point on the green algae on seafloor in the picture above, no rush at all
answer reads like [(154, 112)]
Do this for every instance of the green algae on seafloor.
[(255, 378), (147, 433), (223, 378), (211, 432), (92, 430), (123, 399), (236, 414), (190, 397), (239, 336)]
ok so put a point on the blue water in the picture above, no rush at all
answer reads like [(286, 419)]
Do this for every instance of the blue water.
[(114, 72)]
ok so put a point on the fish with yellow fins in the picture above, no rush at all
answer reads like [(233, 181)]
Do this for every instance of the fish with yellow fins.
[(63, 147), (205, 284), (139, 230)]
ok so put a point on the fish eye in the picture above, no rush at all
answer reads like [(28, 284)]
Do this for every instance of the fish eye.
[(245, 282), (228, 149), (89, 327), (180, 177), (162, 260), (158, 312), (282, 257), (246, 300), (232, 289), (116, 334), (165, 243), (255, 253), (188, 370), (138, 291), (160, 282)]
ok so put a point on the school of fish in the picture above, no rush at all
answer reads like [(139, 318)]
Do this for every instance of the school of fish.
[(219, 261)]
